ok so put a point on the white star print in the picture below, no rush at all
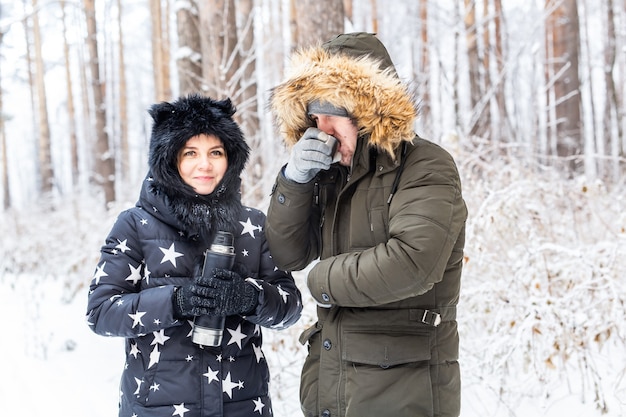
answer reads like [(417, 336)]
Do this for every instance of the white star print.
[(257, 352), (138, 382), (228, 385), (170, 255), (258, 405), (146, 274), (134, 350), (283, 294), (155, 386), (155, 355), (211, 375), (144, 222), (236, 336), (248, 227), (189, 358), (135, 274), (100, 273), (122, 245), (159, 337), (180, 410), (137, 318)]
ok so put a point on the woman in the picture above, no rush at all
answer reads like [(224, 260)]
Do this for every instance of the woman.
[(148, 286)]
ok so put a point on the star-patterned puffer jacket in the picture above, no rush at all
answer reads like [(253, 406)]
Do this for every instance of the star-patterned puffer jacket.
[(145, 256)]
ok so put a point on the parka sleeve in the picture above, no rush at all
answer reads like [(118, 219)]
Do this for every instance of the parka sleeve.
[(426, 234), (293, 224), (115, 304), (280, 301)]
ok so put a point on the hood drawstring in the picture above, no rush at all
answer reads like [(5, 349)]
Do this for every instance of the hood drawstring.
[(396, 180)]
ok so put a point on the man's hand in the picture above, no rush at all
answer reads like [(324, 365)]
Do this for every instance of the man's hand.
[(312, 153)]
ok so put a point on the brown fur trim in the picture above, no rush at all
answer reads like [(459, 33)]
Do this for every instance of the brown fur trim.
[(382, 106)]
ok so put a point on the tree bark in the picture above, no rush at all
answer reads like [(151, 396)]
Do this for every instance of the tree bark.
[(189, 61), (104, 172), (123, 101), (318, 20), (160, 52), (562, 32), (218, 34), (71, 110), (46, 172), (6, 195)]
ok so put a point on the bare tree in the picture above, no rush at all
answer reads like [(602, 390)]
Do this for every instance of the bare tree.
[(318, 20), (562, 79), (189, 61), (123, 100), (46, 172), (104, 170), (218, 34), (498, 53), (71, 110), (246, 96), (471, 39), (612, 121), (160, 51), (423, 74), (6, 195)]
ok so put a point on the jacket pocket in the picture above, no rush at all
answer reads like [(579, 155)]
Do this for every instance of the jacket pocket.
[(391, 348), (387, 373)]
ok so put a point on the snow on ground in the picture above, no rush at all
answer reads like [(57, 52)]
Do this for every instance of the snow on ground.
[(53, 365)]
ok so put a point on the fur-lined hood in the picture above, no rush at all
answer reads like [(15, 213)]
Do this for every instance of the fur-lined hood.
[(352, 71), (165, 190)]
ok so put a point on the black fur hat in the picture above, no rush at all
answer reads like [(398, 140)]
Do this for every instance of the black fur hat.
[(174, 124)]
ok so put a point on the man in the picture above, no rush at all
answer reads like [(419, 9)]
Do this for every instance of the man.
[(382, 210)]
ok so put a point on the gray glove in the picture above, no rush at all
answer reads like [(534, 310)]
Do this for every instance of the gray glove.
[(312, 153)]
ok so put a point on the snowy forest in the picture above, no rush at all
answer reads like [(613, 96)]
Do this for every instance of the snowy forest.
[(529, 96)]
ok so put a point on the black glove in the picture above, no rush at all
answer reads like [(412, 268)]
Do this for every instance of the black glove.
[(229, 294), (189, 300)]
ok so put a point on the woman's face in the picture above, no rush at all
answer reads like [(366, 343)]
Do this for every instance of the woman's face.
[(343, 129), (202, 163)]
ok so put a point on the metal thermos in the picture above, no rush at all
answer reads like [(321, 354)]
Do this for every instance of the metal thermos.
[(208, 330)]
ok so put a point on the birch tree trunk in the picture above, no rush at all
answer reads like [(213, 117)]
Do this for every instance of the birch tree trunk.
[(423, 74), (46, 172), (104, 170), (613, 134), (71, 110), (123, 101), (189, 56), (6, 195), (474, 65)]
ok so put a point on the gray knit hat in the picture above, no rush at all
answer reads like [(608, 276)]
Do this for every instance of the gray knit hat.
[(324, 107)]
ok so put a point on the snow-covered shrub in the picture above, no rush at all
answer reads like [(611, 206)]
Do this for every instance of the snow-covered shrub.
[(544, 292)]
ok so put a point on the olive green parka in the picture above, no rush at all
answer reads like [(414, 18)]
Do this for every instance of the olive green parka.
[(389, 233)]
